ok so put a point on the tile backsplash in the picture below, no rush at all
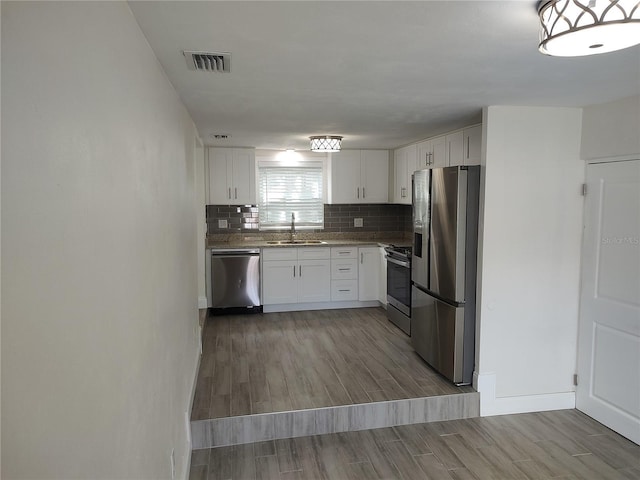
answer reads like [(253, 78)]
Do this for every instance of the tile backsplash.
[(337, 218)]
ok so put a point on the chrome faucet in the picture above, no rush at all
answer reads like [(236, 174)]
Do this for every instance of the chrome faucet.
[(293, 226)]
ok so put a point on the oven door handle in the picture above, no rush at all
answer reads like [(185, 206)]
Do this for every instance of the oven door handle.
[(398, 262)]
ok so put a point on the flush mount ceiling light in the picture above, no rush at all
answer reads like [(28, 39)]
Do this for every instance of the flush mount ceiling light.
[(573, 28), (325, 143)]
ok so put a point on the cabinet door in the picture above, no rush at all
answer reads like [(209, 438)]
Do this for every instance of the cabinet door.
[(455, 150), (279, 282), (424, 155), (472, 145), (368, 274), (220, 160), (402, 191), (345, 177), (439, 152), (382, 283), (314, 281), (243, 188), (374, 175)]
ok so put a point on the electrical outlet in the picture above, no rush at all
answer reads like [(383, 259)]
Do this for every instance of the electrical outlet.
[(223, 223), (357, 222)]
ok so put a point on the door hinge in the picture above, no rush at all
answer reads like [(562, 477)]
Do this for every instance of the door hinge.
[(575, 379), (584, 189)]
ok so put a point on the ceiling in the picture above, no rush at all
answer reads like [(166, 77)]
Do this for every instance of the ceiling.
[(382, 74)]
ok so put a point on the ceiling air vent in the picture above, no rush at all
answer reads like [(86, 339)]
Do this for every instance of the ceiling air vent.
[(208, 62)]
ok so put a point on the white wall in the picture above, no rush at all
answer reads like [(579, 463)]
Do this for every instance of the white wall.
[(529, 258), (611, 129), (99, 274), (201, 220)]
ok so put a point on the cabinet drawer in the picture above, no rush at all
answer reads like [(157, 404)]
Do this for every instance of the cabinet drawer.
[(343, 290), (344, 269), (344, 252), (313, 253), (279, 253)]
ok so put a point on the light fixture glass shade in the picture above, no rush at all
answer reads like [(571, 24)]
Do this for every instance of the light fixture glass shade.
[(325, 143), (574, 28)]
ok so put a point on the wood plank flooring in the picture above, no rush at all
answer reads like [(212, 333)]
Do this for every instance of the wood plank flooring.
[(274, 362), (560, 445)]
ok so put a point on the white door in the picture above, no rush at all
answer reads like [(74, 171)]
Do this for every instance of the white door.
[(609, 329)]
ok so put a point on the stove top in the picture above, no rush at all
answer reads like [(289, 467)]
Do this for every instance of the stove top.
[(399, 251)]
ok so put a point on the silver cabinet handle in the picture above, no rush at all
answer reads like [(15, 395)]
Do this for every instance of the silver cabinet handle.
[(344, 290), (344, 269), (361, 257), (363, 194), (229, 193), (467, 148), (294, 271), (358, 189), (300, 270), (236, 192)]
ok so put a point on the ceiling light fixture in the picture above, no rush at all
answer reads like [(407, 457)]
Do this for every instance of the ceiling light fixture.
[(325, 143), (573, 28)]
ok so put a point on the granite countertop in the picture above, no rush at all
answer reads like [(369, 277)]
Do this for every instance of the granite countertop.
[(240, 241)]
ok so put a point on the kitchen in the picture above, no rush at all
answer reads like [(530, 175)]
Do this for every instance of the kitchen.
[(151, 244)]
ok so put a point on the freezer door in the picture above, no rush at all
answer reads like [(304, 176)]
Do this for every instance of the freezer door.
[(437, 334), (420, 251), (448, 233)]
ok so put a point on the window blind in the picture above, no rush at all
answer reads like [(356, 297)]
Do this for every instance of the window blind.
[(290, 189)]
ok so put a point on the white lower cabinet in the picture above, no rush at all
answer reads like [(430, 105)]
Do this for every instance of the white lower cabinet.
[(314, 275), (368, 273), (344, 274), (296, 275), (382, 284)]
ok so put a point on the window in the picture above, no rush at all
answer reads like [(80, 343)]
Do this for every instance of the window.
[(287, 189)]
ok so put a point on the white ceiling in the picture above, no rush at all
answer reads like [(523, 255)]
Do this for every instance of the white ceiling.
[(382, 74)]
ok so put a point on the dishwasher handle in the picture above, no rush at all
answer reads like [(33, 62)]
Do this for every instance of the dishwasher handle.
[(234, 251)]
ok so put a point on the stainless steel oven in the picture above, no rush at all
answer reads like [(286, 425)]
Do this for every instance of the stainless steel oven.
[(399, 287)]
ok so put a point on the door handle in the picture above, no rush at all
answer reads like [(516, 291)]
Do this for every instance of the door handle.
[(301, 270), (236, 192), (358, 194), (294, 271), (363, 193)]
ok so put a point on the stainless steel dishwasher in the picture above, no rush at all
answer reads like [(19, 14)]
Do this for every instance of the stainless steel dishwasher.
[(235, 277)]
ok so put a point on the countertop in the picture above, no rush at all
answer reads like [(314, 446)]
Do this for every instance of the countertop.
[(263, 243)]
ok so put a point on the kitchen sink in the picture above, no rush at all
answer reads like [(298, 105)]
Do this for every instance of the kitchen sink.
[(296, 242)]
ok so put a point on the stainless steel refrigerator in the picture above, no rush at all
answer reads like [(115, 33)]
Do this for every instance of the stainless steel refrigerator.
[(443, 292)]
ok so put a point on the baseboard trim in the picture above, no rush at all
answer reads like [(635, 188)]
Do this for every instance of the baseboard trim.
[(298, 307), (202, 302), (491, 405), (192, 396)]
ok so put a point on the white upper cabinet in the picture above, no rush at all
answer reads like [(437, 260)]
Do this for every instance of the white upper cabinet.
[(432, 153), (439, 158), (232, 176), (455, 150), (359, 176), (472, 145), (404, 165)]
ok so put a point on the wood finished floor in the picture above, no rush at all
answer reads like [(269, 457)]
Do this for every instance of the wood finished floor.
[(563, 444), (275, 362)]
